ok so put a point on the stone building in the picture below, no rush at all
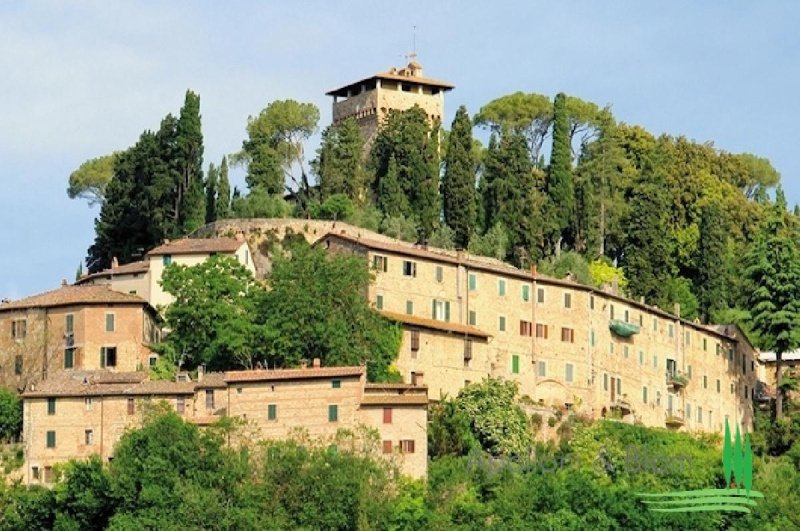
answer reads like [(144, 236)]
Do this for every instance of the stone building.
[(369, 100), (570, 347), (74, 327), (74, 415), (143, 277)]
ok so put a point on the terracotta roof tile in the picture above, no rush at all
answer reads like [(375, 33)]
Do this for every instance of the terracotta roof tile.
[(292, 374), (74, 295), (198, 246), (211, 379), (433, 324), (394, 77), (391, 399), (125, 269), (409, 387)]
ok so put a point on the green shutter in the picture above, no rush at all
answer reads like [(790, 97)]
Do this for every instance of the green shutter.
[(333, 413), (51, 406), (69, 358), (526, 293), (272, 412), (515, 364), (102, 357), (433, 309), (336, 384), (447, 311), (51, 439), (379, 302)]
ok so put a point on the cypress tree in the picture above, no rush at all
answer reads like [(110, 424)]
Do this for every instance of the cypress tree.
[(339, 164), (211, 193), (223, 205), (559, 185), (773, 275), (190, 203), (391, 199), (428, 201), (710, 281), (458, 182)]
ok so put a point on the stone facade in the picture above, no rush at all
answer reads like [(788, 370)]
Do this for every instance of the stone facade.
[(75, 415), (369, 101), (569, 346)]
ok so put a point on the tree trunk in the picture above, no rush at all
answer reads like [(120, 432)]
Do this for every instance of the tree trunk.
[(778, 383)]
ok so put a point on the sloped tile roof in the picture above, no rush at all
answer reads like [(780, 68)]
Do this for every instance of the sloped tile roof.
[(394, 399), (125, 269), (433, 324), (292, 374), (197, 246), (106, 383), (73, 295)]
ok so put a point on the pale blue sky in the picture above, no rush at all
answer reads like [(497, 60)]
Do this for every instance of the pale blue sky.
[(80, 79)]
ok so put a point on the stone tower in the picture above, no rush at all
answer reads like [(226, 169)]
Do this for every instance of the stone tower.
[(370, 99)]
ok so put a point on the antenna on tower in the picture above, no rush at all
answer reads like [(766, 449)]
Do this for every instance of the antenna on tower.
[(412, 57)]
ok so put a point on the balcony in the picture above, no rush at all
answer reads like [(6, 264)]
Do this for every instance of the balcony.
[(674, 420), (622, 407), (677, 379), (623, 329)]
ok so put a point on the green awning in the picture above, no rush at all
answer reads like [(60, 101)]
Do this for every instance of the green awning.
[(621, 328)]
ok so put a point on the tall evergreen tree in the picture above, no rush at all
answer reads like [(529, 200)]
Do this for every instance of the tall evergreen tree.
[(428, 201), (458, 182), (710, 281), (339, 164), (189, 201), (391, 199), (223, 205), (646, 256), (773, 274), (559, 185), (211, 193)]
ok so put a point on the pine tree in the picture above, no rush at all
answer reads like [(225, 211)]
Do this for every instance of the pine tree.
[(211, 193), (559, 185), (710, 281), (458, 182), (773, 275), (190, 203), (223, 205), (339, 164)]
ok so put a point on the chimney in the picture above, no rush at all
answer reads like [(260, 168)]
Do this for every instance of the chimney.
[(316, 363), (418, 378), (641, 299), (64, 282), (533, 270), (166, 241), (201, 370), (114, 262), (677, 309), (460, 255), (239, 235)]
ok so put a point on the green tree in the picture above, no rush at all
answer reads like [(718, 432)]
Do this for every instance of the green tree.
[(458, 182), (773, 274), (223, 203), (390, 197), (211, 192), (559, 185), (189, 200), (428, 203), (339, 165), (711, 280), (259, 204), (529, 114), (83, 499), (213, 318), (10, 415), (273, 150), (91, 178)]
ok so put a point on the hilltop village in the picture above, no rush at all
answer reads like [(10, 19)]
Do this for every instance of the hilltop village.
[(482, 288)]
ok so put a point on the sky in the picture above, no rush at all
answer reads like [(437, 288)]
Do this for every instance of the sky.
[(82, 79)]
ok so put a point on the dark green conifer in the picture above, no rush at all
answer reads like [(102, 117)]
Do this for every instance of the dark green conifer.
[(458, 182)]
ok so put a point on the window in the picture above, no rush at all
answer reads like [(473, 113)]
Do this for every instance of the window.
[(526, 292), (69, 358), (688, 412), (605, 381), (501, 287), (644, 394), (439, 274), (415, 341), (35, 473), (88, 437), (410, 307), (705, 382), (69, 323), (467, 351), (440, 310), (166, 259), (152, 360), (387, 447), (732, 391), (180, 405), (407, 446), (611, 311), (19, 328), (51, 439), (473, 281), (541, 369), (48, 474), (745, 391), (525, 328), (409, 268), (333, 413), (619, 386), (568, 300), (379, 302), (501, 323), (699, 414), (593, 339), (718, 386), (473, 318), (51, 406), (131, 406), (655, 324), (641, 358), (567, 335), (671, 330), (108, 357), (625, 351), (705, 344), (541, 330), (689, 371), (18, 364), (540, 295), (88, 402), (109, 322), (380, 263), (272, 411), (387, 415), (641, 320), (569, 372), (591, 302), (336, 384), (627, 316), (515, 364)]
